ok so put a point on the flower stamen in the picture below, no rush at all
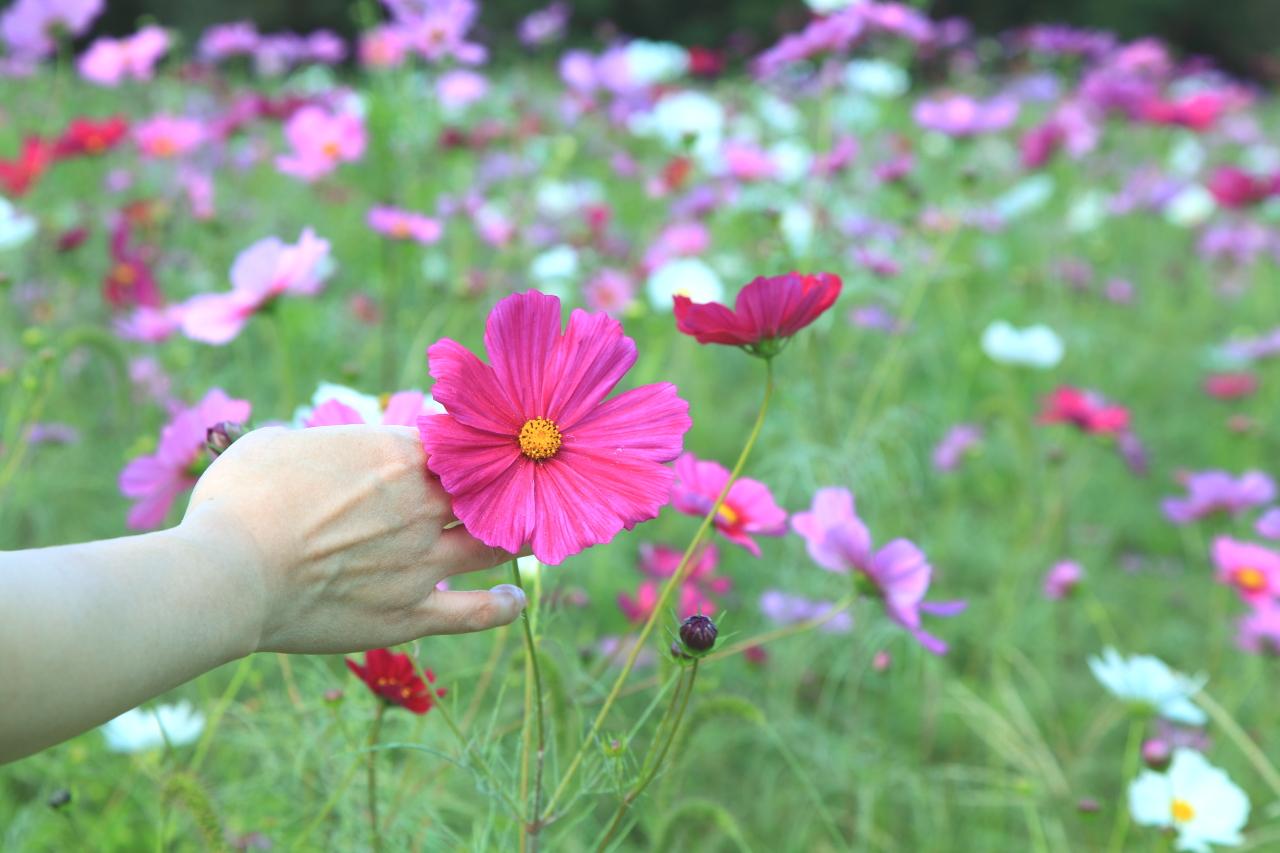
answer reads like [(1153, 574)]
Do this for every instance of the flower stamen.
[(540, 439), (1182, 811)]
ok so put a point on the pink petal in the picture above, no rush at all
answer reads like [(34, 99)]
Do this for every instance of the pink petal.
[(520, 335), (333, 413), (213, 318), (584, 366), (404, 408), (470, 390), (644, 423)]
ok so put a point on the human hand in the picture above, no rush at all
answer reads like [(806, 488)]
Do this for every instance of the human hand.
[(344, 533)]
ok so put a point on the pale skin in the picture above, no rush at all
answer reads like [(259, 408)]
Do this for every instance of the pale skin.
[(315, 541)]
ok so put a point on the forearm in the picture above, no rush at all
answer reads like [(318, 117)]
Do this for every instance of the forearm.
[(89, 631)]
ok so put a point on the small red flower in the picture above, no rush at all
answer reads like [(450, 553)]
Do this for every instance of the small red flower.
[(705, 62), (394, 677), (1230, 386), (85, 137), (1086, 410), (19, 174), (129, 282), (766, 312), (1236, 188)]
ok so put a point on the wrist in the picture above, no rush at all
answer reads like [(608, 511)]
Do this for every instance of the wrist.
[(233, 566)]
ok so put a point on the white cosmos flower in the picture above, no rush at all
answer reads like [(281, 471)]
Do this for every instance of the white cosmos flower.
[(1087, 212), (651, 62), (16, 227), (878, 78), (1193, 798), (1148, 682), (554, 265), (142, 729), (1190, 207), (826, 7), (1035, 346), (792, 159), (1186, 156), (797, 225), (685, 119), (1024, 197), (689, 277)]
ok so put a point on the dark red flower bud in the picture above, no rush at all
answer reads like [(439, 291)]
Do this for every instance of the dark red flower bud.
[(59, 798), (698, 633), (221, 436)]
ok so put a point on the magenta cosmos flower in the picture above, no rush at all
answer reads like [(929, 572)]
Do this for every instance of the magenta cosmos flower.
[(1252, 569), (401, 224), (320, 141), (530, 450), (766, 312), (166, 136), (1217, 491), (108, 61), (748, 508), (838, 540), (1061, 580), (1259, 631), (154, 482), (267, 269), (962, 115)]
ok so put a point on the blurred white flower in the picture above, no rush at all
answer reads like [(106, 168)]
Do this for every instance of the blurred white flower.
[(16, 227), (142, 729), (878, 78), (1186, 157), (683, 120), (1148, 682), (792, 159), (1195, 799), (365, 405), (1024, 197), (689, 277), (797, 225), (826, 7), (652, 62), (1087, 212), (555, 265), (1190, 207), (781, 116), (1035, 346)]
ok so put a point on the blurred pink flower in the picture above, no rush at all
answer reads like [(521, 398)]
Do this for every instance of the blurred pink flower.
[(267, 269), (108, 61), (401, 409), (164, 136), (1086, 410), (400, 224), (1252, 569), (748, 509), (530, 450), (1268, 524), (29, 27), (1062, 579), (955, 445), (545, 25), (320, 140), (1259, 631), (383, 47), (611, 291), (962, 115), (1217, 491), (786, 609), (154, 481), (460, 88)]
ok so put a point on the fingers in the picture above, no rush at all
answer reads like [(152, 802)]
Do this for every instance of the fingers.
[(458, 612), (457, 551)]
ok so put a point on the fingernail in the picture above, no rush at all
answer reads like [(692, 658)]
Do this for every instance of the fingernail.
[(512, 590)]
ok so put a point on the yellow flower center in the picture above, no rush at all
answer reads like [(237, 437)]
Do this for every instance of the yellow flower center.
[(123, 274), (539, 439), (1182, 811), (1251, 579), (729, 515), (400, 228), (331, 149), (164, 147)]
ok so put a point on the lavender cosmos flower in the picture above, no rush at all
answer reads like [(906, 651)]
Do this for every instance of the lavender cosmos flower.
[(955, 445), (1217, 491), (962, 115), (786, 609), (29, 27)]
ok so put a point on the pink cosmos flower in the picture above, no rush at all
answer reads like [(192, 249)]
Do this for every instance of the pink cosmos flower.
[(748, 508), (320, 140), (700, 584), (401, 409), (267, 269), (1259, 631), (109, 61), (438, 31), (1087, 410), (1062, 579), (838, 540), (766, 312), (399, 224), (155, 481), (1231, 386), (165, 136), (677, 240), (545, 25), (383, 47), (1217, 491), (460, 88), (955, 445), (223, 41), (1235, 188), (29, 26), (150, 325), (1252, 569), (747, 161), (611, 291), (961, 115), (530, 450), (1268, 524)]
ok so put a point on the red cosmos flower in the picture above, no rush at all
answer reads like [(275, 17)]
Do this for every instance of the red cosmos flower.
[(1230, 386), (18, 175), (87, 137), (1236, 188), (394, 677), (705, 62), (129, 282), (1198, 112), (1087, 410), (766, 312)]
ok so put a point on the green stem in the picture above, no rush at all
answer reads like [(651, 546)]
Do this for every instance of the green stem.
[(481, 764), (375, 833), (652, 773), (1131, 753), (1243, 742), (769, 636), (660, 607), (531, 649)]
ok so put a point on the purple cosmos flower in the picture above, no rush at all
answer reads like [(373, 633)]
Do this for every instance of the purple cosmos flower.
[(1259, 631), (962, 115), (1217, 491), (1062, 579), (29, 27), (1269, 524), (955, 445), (838, 541), (545, 25)]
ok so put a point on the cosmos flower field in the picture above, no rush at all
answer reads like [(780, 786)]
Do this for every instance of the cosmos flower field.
[(972, 467)]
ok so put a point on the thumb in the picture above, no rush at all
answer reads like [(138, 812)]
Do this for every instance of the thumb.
[(461, 612)]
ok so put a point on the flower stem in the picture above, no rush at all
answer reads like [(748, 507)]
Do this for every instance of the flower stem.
[(799, 627), (531, 649), (634, 794), (1131, 752), (677, 578), (1243, 742), (375, 834)]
